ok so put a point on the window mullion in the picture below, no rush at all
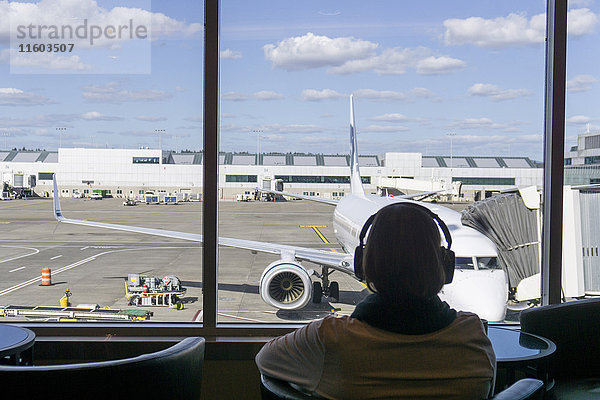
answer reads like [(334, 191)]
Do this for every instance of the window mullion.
[(211, 158), (554, 139)]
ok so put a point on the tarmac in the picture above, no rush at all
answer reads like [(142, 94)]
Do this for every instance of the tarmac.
[(93, 263)]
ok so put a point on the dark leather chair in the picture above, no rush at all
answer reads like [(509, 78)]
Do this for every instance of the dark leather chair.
[(173, 373), (575, 329), (275, 389)]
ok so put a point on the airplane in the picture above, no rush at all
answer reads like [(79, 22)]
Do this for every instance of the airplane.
[(479, 285)]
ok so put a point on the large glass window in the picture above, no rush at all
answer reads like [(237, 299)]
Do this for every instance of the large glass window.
[(94, 95), (439, 84)]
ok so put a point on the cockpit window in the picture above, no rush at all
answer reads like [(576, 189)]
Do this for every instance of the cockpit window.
[(487, 262), (464, 263)]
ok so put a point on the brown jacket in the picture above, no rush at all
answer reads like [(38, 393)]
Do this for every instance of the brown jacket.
[(344, 358)]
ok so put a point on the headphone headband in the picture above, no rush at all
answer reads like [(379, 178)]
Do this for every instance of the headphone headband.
[(448, 258), (434, 216)]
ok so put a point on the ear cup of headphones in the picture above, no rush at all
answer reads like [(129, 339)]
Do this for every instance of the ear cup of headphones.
[(358, 252), (358, 262), (448, 261)]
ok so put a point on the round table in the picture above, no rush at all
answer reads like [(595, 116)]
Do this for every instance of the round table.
[(16, 345), (515, 349)]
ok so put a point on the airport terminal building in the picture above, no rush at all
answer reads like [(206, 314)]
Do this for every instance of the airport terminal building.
[(133, 172)]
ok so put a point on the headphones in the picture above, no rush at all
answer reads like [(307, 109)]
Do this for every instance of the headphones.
[(448, 262)]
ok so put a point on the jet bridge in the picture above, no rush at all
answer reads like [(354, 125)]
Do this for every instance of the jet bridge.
[(513, 222)]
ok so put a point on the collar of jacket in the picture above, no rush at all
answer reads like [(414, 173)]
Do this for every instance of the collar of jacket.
[(410, 317)]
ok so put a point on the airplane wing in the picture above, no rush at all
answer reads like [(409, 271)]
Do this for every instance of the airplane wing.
[(301, 196), (335, 202), (339, 261)]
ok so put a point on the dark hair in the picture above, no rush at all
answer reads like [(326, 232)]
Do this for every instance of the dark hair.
[(402, 258)]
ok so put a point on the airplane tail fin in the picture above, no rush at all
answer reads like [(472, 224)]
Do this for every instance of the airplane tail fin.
[(57, 212), (356, 187)]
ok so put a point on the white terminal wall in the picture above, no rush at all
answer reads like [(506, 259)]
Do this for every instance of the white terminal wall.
[(114, 169)]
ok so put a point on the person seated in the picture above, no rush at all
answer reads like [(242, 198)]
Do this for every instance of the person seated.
[(401, 341)]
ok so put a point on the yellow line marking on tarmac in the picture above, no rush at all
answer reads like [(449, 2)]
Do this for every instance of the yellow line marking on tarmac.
[(315, 228)]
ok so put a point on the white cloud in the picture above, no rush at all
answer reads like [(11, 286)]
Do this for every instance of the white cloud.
[(96, 116), (270, 129), (17, 97), (41, 132), (43, 120), (330, 13), (267, 95), (391, 118), (318, 95), (498, 139), (234, 128), (112, 92), (144, 133), (384, 128), (314, 51), (270, 137), (150, 118), (229, 54), (348, 55), (263, 95), (579, 120), (320, 139), (234, 96), (388, 95), (73, 13), (513, 30), (380, 95), (581, 83), (421, 92), (581, 21), (573, 3), (496, 93), (439, 65), (43, 60), (291, 128), (393, 61), (484, 124)]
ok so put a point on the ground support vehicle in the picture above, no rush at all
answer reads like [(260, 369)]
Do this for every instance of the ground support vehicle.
[(79, 313), (143, 290)]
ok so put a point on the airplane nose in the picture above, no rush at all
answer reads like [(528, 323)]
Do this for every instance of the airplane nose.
[(483, 295)]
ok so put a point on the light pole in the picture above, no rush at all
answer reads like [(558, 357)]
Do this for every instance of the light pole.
[(258, 132), (60, 131), (6, 135), (451, 134), (160, 133)]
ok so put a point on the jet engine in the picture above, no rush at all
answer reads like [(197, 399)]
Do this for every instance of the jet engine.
[(285, 285)]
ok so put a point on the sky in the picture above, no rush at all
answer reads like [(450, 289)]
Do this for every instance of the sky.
[(435, 77)]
